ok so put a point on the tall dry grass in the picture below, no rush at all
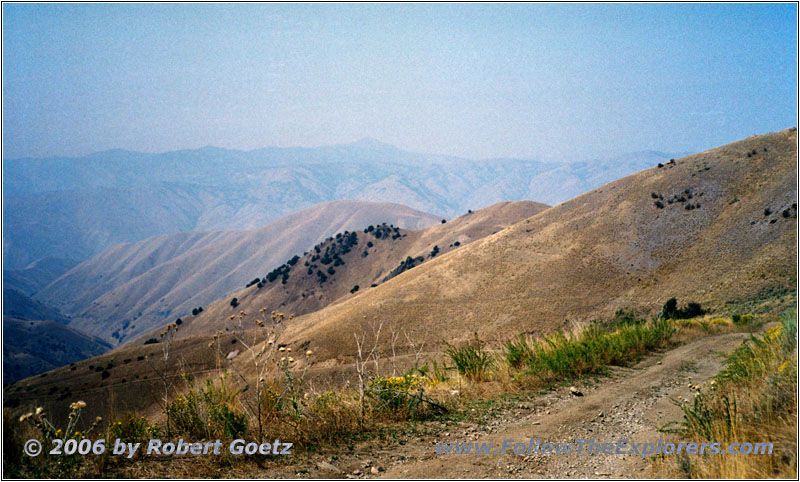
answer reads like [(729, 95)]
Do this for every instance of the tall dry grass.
[(753, 399)]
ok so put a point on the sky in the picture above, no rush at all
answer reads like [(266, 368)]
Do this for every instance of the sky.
[(538, 81)]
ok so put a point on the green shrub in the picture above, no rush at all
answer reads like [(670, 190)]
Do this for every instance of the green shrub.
[(395, 394), (517, 351), (742, 320)]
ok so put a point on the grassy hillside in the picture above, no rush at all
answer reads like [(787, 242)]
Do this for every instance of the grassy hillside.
[(35, 338), (726, 231), (35, 346), (18, 305), (134, 287), (353, 262)]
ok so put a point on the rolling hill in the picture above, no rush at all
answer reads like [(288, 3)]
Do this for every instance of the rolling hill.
[(133, 287), (352, 262), (712, 227)]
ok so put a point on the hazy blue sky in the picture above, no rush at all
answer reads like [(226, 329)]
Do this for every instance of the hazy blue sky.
[(534, 81)]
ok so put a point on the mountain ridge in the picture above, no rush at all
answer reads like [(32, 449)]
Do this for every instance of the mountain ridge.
[(84, 199)]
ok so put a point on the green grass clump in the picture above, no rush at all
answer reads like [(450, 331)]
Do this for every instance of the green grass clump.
[(565, 356), (208, 411), (472, 360)]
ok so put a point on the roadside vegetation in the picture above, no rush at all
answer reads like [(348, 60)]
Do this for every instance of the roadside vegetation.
[(275, 400), (752, 399)]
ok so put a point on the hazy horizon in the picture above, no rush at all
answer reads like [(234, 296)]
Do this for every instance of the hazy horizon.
[(356, 142), (478, 81)]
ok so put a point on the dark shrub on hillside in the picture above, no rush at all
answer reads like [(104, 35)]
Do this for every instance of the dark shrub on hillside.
[(150, 341), (659, 204), (235, 302), (354, 289), (179, 322), (444, 221), (105, 374), (670, 310), (767, 211)]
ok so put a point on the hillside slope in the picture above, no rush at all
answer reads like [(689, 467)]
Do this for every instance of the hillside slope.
[(37, 275), (17, 304), (364, 258), (134, 287), (35, 346), (35, 338), (712, 227)]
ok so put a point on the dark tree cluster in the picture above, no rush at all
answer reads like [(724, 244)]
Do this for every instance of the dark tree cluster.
[(785, 212), (197, 311), (679, 198), (382, 231), (670, 163), (405, 265), (434, 251)]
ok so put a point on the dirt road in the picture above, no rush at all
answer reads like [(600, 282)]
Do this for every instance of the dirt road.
[(630, 404)]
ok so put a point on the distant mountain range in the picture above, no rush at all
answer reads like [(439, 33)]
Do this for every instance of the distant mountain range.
[(73, 208)]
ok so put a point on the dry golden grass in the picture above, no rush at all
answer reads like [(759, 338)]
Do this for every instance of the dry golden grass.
[(752, 400)]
